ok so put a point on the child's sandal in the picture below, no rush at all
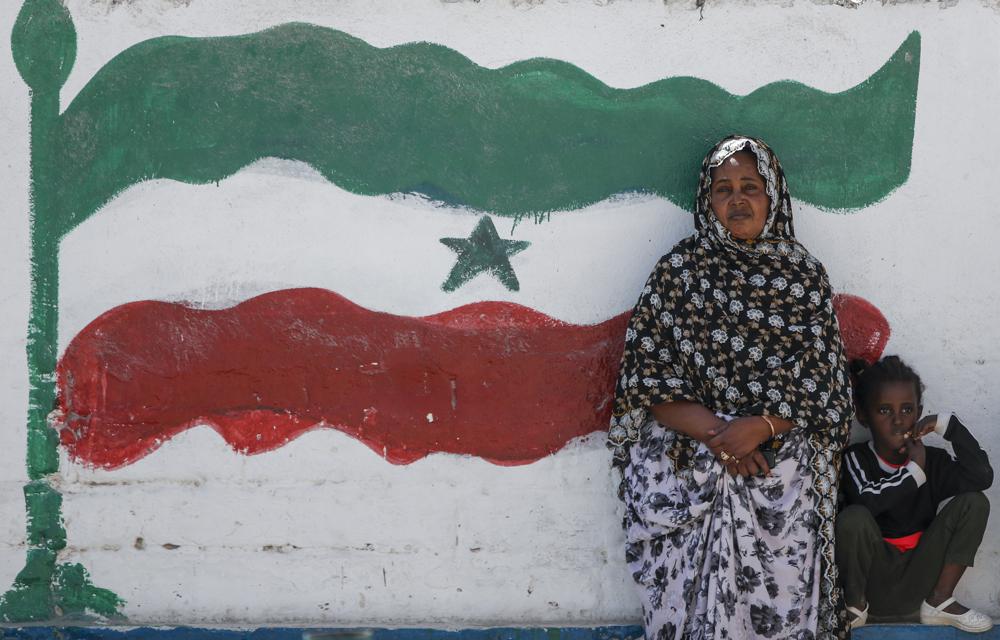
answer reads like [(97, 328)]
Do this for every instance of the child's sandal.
[(972, 621), (859, 617)]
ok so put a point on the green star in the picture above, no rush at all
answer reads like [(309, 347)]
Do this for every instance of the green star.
[(484, 250)]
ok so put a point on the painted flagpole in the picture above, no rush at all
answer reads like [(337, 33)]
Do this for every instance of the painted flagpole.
[(43, 42)]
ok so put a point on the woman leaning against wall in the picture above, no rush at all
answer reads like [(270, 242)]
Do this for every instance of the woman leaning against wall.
[(731, 406)]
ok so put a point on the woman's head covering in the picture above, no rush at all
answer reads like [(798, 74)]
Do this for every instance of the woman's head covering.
[(778, 225)]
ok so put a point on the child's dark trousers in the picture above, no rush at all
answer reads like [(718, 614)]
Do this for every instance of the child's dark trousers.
[(895, 583)]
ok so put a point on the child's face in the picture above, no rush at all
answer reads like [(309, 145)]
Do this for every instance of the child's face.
[(891, 415)]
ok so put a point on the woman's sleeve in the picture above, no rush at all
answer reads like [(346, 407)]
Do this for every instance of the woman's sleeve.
[(811, 387), (650, 372)]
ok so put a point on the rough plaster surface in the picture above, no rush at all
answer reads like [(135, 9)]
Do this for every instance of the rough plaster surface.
[(325, 531)]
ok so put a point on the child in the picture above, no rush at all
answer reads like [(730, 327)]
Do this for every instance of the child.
[(895, 551)]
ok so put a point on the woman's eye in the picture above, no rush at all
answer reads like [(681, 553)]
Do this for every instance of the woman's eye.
[(884, 410), (907, 410)]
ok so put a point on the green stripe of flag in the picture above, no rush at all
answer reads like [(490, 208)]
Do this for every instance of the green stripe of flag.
[(533, 137)]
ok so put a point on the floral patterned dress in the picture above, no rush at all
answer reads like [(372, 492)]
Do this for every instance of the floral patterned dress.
[(714, 552), (742, 328)]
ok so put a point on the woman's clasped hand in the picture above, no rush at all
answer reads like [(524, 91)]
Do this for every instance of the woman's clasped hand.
[(735, 443)]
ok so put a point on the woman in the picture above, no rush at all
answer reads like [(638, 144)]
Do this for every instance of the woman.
[(731, 408)]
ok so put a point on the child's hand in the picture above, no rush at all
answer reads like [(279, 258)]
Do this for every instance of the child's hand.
[(915, 449), (924, 426)]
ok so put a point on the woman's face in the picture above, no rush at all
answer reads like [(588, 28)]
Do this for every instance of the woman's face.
[(739, 199)]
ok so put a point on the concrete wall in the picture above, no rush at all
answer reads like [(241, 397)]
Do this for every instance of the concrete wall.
[(355, 525)]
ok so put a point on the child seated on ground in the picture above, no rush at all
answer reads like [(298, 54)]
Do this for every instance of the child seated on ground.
[(895, 551)]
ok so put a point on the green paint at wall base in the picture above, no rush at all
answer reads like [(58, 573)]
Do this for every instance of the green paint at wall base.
[(44, 589), (30, 598), (76, 595)]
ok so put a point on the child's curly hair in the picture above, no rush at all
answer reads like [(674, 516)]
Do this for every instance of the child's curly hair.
[(868, 378)]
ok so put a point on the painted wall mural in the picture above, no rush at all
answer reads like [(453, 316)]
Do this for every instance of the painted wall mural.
[(536, 139), (494, 380), (265, 371)]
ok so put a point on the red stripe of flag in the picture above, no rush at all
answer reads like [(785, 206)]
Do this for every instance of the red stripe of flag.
[(491, 379)]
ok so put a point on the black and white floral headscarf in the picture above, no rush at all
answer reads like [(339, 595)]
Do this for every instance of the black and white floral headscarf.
[(779, 218), (743, 327)]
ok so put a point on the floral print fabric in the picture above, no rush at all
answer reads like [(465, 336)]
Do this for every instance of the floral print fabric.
[(743, 328), (718, 556)]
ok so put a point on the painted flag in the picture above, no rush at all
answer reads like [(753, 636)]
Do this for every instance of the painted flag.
[(434, 257), (535, 138)]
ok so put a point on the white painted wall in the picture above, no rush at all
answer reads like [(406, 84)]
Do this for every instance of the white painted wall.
[(325, 531)]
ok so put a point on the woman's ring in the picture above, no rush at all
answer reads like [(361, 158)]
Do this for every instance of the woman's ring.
[(724, 456)]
